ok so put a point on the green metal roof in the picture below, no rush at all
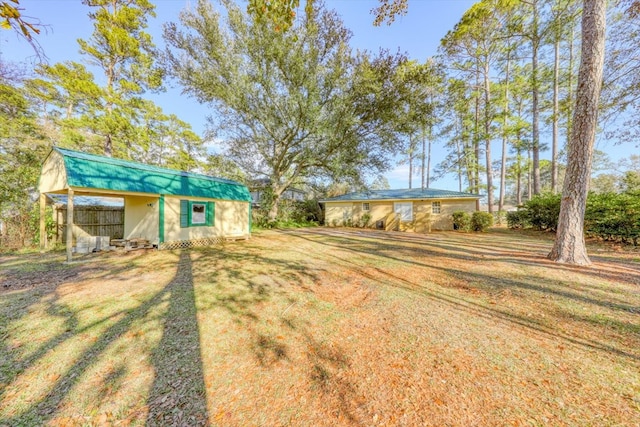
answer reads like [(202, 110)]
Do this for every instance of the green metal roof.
[(401, 194), (106, 173)]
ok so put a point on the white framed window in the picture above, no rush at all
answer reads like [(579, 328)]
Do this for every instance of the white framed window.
[(366, 207), (198, 213), (436, 207), (194, 214), (404, 210)]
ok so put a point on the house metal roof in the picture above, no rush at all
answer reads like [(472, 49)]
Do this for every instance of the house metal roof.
[(401, 194), (97, 201), (106, 173)]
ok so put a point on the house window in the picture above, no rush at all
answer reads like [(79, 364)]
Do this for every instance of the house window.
[(404, 210), (366, 207), (436, 207), (195, 214)]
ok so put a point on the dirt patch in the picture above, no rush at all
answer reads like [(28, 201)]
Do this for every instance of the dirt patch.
[(15, 280)]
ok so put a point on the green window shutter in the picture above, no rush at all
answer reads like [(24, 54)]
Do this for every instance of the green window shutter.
[(184, 213), (161, 220), (211, 213)]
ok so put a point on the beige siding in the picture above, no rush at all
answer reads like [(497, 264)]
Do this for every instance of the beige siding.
[(141, 218), (54, 175), (381, 211), (443, 220), (423, 218), (377, 211), (231, 220), (338, 213)]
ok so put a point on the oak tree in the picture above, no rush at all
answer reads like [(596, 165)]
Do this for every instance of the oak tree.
[(289, 105)]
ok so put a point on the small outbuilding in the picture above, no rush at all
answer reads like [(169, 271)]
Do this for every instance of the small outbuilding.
[(168, 208), (419, 209)]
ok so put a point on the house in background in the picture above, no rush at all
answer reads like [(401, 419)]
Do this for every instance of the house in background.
[(260, 187), (418, 210), (168, 208)]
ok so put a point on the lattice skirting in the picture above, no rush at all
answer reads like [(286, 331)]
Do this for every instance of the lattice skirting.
[(185, 244)]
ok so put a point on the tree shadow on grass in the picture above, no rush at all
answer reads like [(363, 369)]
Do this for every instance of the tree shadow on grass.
[(240, 282), (406, 254), (497, 246), (30, 281), (177, 395), (244, 284), (372, 248), (21, 291), (327, 362)]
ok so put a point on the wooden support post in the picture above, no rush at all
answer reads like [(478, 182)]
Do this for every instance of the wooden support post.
[(69, 224), (43, 230)]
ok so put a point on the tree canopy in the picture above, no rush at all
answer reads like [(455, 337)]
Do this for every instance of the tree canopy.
[(290, 105), (107, 113)]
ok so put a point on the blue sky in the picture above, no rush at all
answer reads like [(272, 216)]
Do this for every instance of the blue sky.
[(418, 34)]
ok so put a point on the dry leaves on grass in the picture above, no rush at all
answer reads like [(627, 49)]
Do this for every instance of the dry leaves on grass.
[(329, 327)]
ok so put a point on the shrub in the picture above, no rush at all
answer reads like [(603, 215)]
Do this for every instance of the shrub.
[(611, 216), (481, 221), (543, 211), (49, 222), (461, 221), (291, 214), (260, 219), (499, 217), (364, 220), (518, 219)]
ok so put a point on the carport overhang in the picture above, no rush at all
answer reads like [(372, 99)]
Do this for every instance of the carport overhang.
[(71, 192)]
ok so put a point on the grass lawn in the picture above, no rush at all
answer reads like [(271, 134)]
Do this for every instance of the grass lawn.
[(323, 327)]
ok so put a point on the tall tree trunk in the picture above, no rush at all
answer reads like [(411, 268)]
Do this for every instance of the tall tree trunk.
[(487, 136), (111, 76), (503, 160), (570, 86), (108, 145), (276, 194), (459, 166), (273, 210), (476, 136), (410, 160), (556, 89), (519, 160), (535, 134), (462, 160), (569, 246), (428, 183), (529, 175), (423, 155), (518, 178)]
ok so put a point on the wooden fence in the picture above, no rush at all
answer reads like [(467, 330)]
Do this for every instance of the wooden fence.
[(94, 220)]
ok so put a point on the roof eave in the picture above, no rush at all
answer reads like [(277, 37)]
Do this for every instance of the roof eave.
[(474, 197)]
